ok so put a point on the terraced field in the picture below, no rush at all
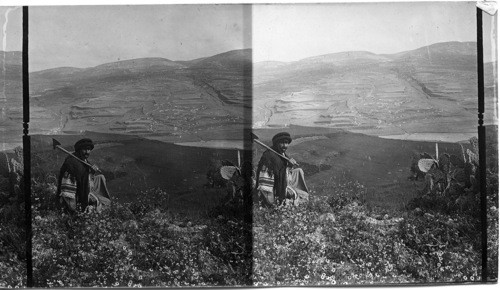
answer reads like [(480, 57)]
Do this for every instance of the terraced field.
[(431, 90), (154, 98), (403, 94)]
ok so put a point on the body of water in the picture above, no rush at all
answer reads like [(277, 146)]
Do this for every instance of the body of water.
[(217, 144), (433, 137)]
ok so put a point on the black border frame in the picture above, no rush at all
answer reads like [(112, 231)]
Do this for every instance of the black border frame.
[(27, 150), (481, 130)]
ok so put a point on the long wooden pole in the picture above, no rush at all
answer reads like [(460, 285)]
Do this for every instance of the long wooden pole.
[(272, 150), (73, 155)]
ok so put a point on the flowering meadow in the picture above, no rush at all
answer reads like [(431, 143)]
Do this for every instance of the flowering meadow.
[(338, 240), (136, 245), (334, 239), (12, 245), (12, 221)]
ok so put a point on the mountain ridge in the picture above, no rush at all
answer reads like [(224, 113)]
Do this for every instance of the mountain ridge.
[(435, 47), (206, 97), (468, 47), (428, 90)]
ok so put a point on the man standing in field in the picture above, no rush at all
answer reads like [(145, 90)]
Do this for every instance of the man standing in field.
[(280, 181), (80, 185)]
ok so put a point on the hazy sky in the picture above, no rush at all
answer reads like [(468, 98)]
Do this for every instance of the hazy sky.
[(85, 36), (11, 29), (292, 32)]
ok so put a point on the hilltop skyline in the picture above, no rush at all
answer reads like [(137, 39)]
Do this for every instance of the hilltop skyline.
[(347, 53), (100, 34), (85, 36), (292, 32)]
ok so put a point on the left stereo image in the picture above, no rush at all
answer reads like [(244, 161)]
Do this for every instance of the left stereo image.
[(133, 112)]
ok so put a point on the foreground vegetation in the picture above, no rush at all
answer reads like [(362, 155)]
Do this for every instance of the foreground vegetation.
[(339, 240), (138, 244), (335, 239), (12, 221)]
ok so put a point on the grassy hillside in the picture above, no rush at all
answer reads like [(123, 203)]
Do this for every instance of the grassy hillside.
[(381, 165), (366, 224), (164, 227), (132, 164)]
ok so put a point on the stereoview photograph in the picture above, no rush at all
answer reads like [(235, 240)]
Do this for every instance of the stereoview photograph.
[(249, 145), (134, 110), (371, 113)]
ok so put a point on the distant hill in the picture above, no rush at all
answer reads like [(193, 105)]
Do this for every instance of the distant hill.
[(56, 73), (268, 64), (345, 57), (432, 89), (151, 97), (450, 54), (139, 64), (235, 59), (115, 68)]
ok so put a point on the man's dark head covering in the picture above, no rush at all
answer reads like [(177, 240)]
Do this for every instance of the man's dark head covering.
[(280, 137), (84, 143)]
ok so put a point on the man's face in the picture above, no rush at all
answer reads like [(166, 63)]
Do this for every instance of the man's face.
[(282, 146), (85, 152)]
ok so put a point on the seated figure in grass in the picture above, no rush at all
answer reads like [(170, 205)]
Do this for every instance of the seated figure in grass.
[(81, 185), (279, 179)]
